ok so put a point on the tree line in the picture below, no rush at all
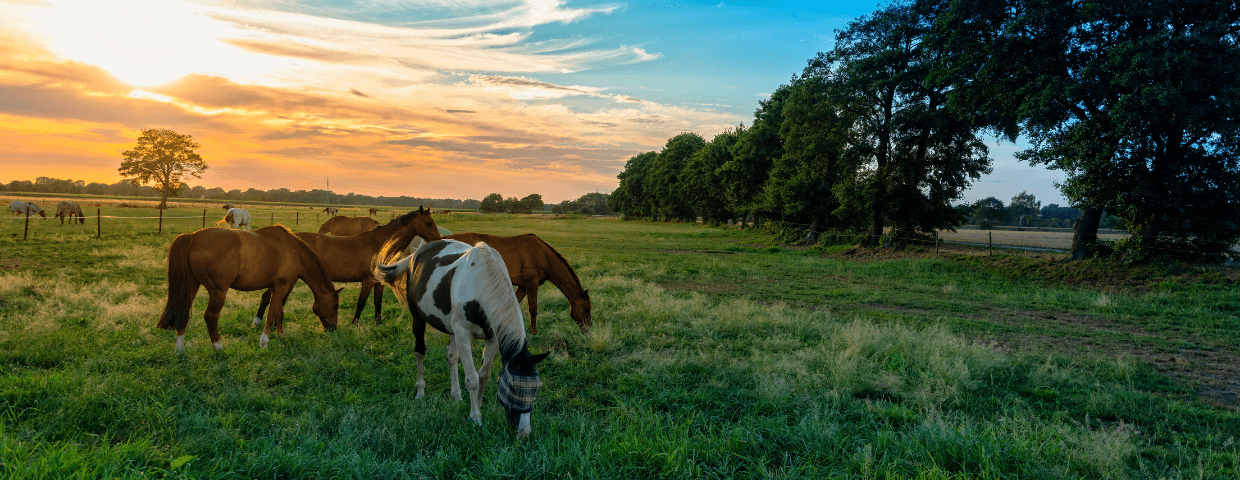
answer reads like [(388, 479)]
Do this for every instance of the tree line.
[(314, 197), (1137, 106)]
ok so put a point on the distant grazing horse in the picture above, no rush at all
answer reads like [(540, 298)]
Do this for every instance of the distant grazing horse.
[(26, 208), (374, 211), (346, 226), (237, 218), (352, 258), (221, 259), (331, 210), (69, 210), (229, 206), (463, 291), (531, 262)]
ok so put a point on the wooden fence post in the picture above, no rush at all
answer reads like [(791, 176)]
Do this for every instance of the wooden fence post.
[(990, 240), (273, 218), (936, 242), (161, 222), (204, 218), (98, 223), (296, 218), (27, 232)]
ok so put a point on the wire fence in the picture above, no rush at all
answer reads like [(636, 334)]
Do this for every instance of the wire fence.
[(159, 221)]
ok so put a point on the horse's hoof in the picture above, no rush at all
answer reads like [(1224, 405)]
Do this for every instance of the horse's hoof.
[(257, 322), (262, 340), (419, 396), (476, 418), (217, 346)]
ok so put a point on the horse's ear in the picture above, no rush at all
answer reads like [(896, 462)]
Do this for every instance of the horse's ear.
[(538, 358), (338, 290), (585, 294)]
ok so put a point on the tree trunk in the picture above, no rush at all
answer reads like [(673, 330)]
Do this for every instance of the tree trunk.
[(1149, 237), (163, 202), (1085, 233)]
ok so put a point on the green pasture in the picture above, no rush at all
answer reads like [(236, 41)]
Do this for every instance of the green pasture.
[(715, 354)]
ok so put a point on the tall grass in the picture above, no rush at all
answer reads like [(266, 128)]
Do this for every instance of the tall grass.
[(799, 369)]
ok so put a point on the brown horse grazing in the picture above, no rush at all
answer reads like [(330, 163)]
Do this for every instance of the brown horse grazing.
[(374, 211), (530, 262), (269, 258), (331, 210), (69, 210), (352, 258), (348, 226)]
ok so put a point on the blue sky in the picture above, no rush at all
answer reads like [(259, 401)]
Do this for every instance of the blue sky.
[(427, 98)]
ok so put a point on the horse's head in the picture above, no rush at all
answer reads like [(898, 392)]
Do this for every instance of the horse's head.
[(327, 308), (417, 223), (517, 389), (579, 309)]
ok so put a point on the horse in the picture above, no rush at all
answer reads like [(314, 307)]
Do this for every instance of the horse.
[(237, 218), (69, 210), (463, 291), (374, 211), (352, 258), (269, 258), (19, 207), (347, 226), (531, 262), (331, 210)]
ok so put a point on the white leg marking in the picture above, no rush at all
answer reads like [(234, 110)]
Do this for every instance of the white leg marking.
[(180, 344), (523, 425), (257, 322), (262, 340), (218, 346)]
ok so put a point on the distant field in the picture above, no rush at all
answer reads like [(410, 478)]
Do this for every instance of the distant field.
[(716, 354)]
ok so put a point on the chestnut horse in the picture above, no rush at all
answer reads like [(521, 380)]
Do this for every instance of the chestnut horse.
[(463, 291), (348, 226), (269, 258), (530, 262), (352, 258)]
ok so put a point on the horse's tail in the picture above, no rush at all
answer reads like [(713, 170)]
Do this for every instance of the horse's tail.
[(182, 286), (392, 272)]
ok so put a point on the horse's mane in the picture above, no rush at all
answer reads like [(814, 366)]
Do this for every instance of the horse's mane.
[(567, 265), (300, 245), (494, 290)]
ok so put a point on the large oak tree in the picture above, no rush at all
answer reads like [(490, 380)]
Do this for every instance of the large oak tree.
[(162, 159)]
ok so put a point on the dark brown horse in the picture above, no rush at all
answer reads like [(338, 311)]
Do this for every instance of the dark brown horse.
[(352, 258), (70, 210), (348, 226), (530, 262), (269, 258), (374, 211)]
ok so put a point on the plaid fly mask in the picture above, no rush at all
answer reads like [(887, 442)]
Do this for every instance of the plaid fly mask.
[(517, 392)]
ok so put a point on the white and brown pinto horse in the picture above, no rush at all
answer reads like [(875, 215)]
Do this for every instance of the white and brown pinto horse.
[(464, 292), (26, 208), (69, 210), (237, 218)]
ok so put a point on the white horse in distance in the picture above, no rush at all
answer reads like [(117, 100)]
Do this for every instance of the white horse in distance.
[(237, 218)]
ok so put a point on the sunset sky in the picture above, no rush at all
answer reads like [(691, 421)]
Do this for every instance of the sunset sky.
[(427, 98)]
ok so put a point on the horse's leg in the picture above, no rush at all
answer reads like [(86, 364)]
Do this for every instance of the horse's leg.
[(262, 307), (212, 316), (279, 293), (361, 300), (461, 341), (378, 303), (532, 291), (454, 356), (488, 356), (419, 348)]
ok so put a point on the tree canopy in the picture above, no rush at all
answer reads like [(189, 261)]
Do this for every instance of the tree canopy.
[(162, 159)]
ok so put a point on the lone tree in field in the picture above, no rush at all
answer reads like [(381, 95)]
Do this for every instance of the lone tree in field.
[(161, 159)]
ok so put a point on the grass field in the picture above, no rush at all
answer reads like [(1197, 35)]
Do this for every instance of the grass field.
[(716, 354)]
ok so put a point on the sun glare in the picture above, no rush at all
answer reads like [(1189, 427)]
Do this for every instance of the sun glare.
[(144, 42)]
